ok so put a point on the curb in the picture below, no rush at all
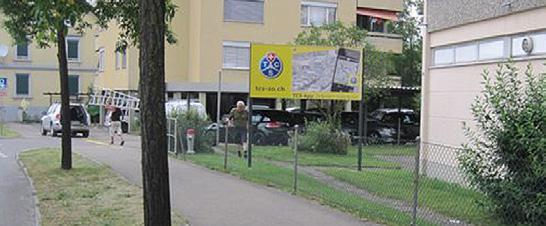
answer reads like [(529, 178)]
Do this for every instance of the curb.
[(37, 215)]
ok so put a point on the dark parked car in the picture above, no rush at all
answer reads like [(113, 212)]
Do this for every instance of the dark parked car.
[(270, 127), (382, 125)]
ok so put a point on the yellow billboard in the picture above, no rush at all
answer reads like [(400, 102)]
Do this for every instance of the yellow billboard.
[(305, 72)]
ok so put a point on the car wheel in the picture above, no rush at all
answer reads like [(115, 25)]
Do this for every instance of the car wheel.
[(85, 134), (44, 132), (53, 133), (374, 138), (259, 139)]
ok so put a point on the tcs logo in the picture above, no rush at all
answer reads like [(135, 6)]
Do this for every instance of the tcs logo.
[(271, 65)]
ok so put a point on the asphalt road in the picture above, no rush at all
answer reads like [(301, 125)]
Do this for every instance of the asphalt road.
[(203, 196), (16, 200)]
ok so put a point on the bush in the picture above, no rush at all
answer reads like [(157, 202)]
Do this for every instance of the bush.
[(191, 119), (94, 113), (324, 137), (505, 157)]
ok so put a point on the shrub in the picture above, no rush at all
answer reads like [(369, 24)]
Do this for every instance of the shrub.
[(94, 113), (191, 119), (324, 137), (505, 157)]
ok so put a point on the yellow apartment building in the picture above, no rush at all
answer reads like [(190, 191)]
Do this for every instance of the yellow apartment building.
[(214, 37), (27, 72)]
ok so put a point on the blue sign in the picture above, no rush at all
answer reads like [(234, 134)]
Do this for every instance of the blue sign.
[(271, 65), (3, 83)]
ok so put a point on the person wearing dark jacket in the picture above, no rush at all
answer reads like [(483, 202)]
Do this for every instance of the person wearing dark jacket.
[(238, 119)]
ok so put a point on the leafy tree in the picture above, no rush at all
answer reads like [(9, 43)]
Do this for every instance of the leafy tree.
[(47, 22), (505, 156), (408, 64), (145, 24)]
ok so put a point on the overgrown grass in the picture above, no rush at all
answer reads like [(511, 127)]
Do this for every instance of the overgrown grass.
[(6, 132), (286, 154), (88, 194), (446, 198), (281, 178)]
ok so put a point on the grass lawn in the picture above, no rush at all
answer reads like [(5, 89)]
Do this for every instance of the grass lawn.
[(350, 160), (449, 199), (281, 178), (88, 194), (6, 132)]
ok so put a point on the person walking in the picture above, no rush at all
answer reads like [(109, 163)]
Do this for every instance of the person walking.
[(238, 119), (115, 124)]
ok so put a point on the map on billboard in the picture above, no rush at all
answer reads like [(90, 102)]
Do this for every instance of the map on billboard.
[(305, 72)]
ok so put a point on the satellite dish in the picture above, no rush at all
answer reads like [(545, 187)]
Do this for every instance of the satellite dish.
[(3, 50)]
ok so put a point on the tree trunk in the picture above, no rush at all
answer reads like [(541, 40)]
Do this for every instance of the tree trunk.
[(155, 170), (66, 159)]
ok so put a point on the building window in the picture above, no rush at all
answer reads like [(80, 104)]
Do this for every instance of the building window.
[(100, 65), (491, 49), (236, 55), (121, 60), (443, 56), (124, 60), (317, 14), (244, 10), (73, 85), (467, 53), (373, 24), (22, 85), (73, 48), (21, 51), (117, 60)]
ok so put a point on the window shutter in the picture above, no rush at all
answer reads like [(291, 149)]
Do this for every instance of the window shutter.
[(73, 84), (72, 49), (22, 86), (244, 10)]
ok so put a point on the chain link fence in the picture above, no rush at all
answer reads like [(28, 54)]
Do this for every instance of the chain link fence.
[(421, 181)]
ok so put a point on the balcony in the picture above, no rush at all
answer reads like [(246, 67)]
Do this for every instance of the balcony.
[(392, 5), (385, 42), (378, 25)]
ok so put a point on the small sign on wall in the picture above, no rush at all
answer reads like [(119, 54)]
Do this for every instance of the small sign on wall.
[(3, 86)]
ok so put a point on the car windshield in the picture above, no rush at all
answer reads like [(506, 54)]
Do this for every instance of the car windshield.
[(377, 115)]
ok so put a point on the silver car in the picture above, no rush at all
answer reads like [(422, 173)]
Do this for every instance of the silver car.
[(80, 120)]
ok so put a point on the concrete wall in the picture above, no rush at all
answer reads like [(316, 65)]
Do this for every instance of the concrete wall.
[(449, 13), (449, 91)]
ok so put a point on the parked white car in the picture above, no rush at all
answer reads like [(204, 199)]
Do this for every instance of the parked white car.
[(182, 106), (80, 120)]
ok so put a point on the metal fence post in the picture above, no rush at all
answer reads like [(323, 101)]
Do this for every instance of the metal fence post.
[(218, 106), (295, 158), (176, 136), (226, 142), (416, 185), (168, 135)]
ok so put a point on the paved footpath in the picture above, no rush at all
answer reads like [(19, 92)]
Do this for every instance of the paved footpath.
[(16, 200), (209, 198)]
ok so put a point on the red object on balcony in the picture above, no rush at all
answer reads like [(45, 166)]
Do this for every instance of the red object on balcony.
[(378, 13)]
